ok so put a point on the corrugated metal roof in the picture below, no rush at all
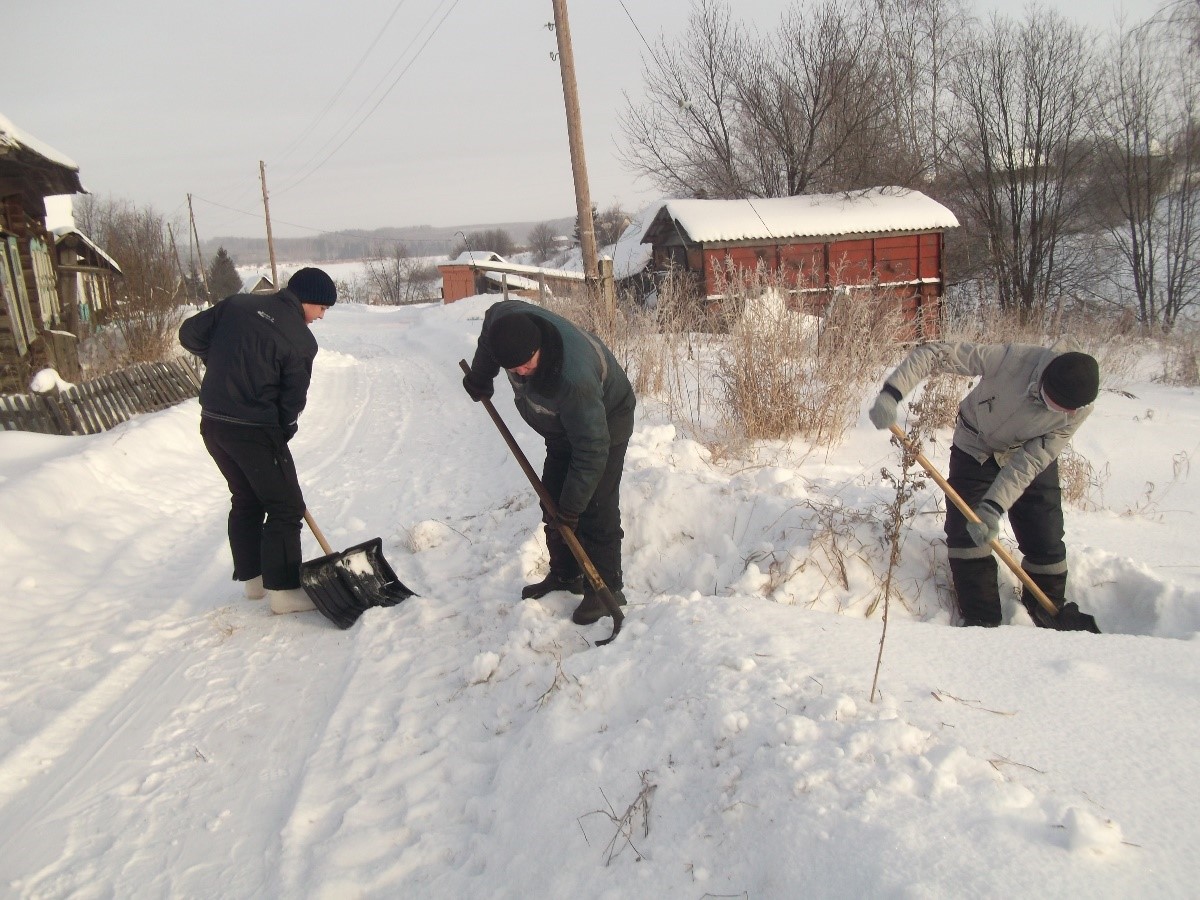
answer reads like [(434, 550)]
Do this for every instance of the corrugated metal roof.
[(874, 210)]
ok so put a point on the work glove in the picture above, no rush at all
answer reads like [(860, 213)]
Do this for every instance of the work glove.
[(570, 520), (987, 529), (477, 387), (289, 431), (883, 410)]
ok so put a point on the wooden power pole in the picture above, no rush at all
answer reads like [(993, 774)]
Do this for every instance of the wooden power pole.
[(199, 255), (262, 174), (583, 197)]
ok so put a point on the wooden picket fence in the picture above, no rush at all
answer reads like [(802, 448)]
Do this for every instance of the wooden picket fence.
[(100, 403)]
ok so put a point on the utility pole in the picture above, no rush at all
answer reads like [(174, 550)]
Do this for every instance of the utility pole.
[(583, 197), (262, 174), (199, 255)]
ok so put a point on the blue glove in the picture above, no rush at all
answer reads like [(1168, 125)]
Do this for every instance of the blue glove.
[(987, 529), (883, 412)]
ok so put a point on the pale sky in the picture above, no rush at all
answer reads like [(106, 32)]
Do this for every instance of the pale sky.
[(367, 113)]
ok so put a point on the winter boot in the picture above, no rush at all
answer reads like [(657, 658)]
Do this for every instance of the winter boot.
[(290, 601), (592, 609), (552, 582), (254, 589)]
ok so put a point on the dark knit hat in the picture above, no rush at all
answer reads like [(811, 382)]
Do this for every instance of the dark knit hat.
[(1072, 380), (313, 286), (513, 339)]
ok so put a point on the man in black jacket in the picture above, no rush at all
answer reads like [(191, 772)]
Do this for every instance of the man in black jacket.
[(572, 391), (258, 354)]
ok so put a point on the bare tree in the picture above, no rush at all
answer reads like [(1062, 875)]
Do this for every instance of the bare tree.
[(682, 137), (395, 277), (150, 292), (1020, 149), (542, 241), (920, 41), (814, 110)]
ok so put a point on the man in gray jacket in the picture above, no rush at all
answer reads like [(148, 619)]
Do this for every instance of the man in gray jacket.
[(1011, 428), (572, 391)]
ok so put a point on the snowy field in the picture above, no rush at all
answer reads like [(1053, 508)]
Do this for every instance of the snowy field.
[(161, 737)]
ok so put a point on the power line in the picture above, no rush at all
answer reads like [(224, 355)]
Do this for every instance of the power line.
[(385, 94), (338, 93)]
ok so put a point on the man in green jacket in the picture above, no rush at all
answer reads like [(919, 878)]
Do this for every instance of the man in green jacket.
[(1011, 428), (572, 391)]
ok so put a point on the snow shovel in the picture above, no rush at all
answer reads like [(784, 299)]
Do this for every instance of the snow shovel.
[(1069, 618), (345, 585), (585, 563)]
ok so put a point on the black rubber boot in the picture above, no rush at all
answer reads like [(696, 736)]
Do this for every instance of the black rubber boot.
[(976, 590), (552, 582), (592, 609)]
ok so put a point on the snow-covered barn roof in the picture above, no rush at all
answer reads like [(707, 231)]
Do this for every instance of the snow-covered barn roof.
[(874, 210), (23, 155), (477, 256)]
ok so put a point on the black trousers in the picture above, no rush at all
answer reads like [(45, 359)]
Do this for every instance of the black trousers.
[(266, 502), (1037, 523), (599, 529)]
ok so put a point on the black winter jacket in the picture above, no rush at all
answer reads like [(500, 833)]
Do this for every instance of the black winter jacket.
[(258, 354), (579, 395)]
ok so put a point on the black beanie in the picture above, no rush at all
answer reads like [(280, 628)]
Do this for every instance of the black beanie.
[(1072, 380), (513, 339), (313, 286)]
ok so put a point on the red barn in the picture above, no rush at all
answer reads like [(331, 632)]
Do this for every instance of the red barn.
[(886, 238)]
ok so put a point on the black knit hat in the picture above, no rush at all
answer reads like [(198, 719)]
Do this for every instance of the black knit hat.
[(1071, 380), (513, 339), (313, 286)]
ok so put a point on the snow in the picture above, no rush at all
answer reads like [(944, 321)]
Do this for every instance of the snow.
[(161, 736), (12, 136), (880, 209)]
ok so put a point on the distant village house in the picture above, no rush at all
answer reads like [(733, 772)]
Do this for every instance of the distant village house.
[(33, 325)]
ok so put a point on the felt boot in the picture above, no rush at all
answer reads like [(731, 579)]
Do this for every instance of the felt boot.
[(552, 582), (290, 601), (592, 609), (253, 589)]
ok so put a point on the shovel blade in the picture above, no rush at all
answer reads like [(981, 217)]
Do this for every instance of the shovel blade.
[(345, 585)]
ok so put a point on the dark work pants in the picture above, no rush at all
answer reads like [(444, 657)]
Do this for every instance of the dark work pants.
[(1037, 523), (599, 529), (266, 502)]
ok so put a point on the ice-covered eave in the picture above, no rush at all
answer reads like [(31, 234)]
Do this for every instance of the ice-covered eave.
[(29, 151)]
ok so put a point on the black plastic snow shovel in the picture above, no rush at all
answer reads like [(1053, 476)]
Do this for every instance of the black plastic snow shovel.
[(585, 562), (1069, 618), (345, 585)]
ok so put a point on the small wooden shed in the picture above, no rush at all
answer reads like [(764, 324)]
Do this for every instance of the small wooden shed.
[(889, 239), (85, 280), (31, 319)]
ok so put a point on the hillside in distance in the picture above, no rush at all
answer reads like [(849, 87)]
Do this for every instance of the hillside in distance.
[(335, 246)]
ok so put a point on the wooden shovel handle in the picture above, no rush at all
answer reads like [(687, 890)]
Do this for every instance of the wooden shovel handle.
[(958, 501), (551, 507), (317, 533)]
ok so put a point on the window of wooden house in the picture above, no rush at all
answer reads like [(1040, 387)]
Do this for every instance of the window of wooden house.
[(16, 298), (46, 282)]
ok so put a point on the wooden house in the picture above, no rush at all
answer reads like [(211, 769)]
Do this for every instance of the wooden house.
[(886, 239), (32, 334), (257, 283), (85, 281)]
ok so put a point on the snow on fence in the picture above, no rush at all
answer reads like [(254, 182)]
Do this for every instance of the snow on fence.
[(97, 405)]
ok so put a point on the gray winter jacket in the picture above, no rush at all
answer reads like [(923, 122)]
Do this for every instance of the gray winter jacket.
[(1003, 415)]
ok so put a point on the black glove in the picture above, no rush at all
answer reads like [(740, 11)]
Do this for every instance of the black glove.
[(477, 387), (289, 431), (569, 520)]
